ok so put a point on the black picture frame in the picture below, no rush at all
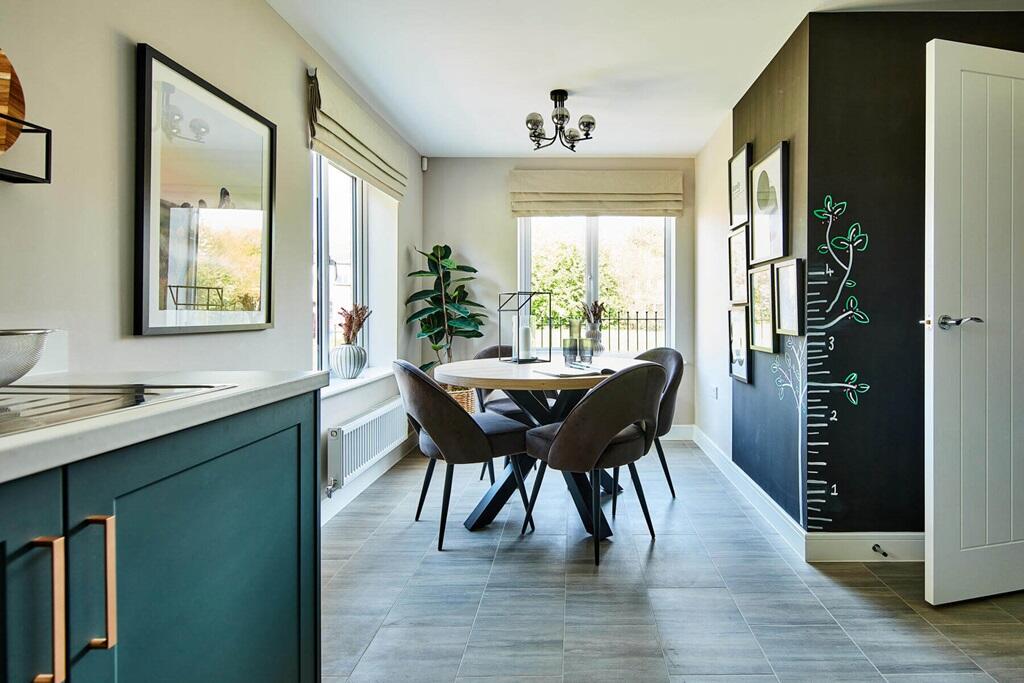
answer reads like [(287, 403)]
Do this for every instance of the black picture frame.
[(770, 201), (757, 307), (790, 273), (738, 244), (739, 349), (738, 215), (145, 204)]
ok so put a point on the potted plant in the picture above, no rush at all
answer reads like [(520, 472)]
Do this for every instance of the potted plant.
[(348, 359), (448, 312), (594, 314)]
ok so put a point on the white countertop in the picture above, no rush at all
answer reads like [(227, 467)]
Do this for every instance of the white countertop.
[(37, 450)]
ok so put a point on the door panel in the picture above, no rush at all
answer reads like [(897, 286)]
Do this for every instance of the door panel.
[(29, 508), (215, 553), (973, 418)]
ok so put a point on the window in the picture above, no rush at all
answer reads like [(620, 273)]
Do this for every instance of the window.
[(340, 253), (355, 222), (619, 260)]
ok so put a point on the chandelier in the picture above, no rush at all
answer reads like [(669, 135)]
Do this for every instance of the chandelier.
[(559, 116)]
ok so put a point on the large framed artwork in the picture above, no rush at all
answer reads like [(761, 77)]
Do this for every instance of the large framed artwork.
[(739, 186), (762, 310), (769, 215), (738, 266), (789, 297), (739, 352), (204, 205)]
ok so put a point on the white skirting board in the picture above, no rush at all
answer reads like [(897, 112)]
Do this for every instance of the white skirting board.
[(329, 507), (814, 546)]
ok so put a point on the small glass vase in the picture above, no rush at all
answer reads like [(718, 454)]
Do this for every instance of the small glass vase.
[(348, 360), (594, 333)]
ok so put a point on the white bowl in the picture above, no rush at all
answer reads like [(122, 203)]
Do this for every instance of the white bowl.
[(19, 352)]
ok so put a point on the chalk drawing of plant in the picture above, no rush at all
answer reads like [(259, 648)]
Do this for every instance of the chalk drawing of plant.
[(853, 241)]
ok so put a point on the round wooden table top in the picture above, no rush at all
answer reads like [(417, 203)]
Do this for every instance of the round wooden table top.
[(491, 373)]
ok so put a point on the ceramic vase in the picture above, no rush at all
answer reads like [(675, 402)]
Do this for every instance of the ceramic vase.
[(348, 360)]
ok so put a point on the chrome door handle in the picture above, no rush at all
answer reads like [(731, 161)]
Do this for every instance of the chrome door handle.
[(946, 322)]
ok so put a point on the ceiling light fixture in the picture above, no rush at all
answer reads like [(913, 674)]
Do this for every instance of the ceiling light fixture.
[(559, 116)]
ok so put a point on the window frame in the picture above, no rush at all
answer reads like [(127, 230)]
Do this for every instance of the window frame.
[(322, 256), (592, 264)]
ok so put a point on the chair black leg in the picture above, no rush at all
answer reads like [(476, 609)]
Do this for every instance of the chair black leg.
[(490, 470), (595, 502), (664, 465), (521, 483), (426, 485), (615, 489), (533, 498), (483, 471), (640, 496), (449, 470)]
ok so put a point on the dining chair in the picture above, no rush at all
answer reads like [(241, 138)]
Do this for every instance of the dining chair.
[(449, 433), (672, 361), (502, 406), (614, 425)]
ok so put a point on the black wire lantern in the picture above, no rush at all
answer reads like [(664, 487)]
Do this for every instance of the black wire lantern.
[(560, 117)]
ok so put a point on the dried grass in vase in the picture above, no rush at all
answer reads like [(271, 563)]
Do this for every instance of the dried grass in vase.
[(352, 322)]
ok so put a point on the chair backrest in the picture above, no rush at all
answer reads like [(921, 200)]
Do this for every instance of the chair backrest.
[(490, 352), (672, 361), (457, 435), (628, 397)]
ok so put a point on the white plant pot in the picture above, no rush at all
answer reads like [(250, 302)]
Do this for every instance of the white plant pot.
[(348, 360)]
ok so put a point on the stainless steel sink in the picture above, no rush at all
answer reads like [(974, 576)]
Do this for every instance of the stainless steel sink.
[(33, 406)]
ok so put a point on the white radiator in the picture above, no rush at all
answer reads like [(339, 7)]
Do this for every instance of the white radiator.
[(355, 446)]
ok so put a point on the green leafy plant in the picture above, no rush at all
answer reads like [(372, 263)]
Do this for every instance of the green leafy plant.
[(447, 310)]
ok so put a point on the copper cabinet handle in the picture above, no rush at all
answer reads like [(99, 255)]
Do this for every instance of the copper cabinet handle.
[(57, 566), (110, 562)]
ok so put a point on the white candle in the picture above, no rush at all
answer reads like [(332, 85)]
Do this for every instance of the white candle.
[(525, 343)]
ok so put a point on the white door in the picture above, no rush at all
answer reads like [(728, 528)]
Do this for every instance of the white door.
[(974, 322)]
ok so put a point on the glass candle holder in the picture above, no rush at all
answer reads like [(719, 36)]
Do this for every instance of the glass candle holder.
[(586, 351), (570, 350), (574, 328)]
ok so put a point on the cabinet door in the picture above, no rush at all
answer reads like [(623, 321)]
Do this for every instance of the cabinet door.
[(213, 556), (30, 511)]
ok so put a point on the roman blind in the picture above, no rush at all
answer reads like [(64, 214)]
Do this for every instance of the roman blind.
[(340, 130), (596, 193)]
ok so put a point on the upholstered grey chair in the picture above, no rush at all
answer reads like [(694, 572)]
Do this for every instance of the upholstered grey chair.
[(501, 406), (449, 433), (672, 361), (614, 425)]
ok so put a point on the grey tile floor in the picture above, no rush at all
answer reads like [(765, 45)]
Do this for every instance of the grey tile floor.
[(718, 596)]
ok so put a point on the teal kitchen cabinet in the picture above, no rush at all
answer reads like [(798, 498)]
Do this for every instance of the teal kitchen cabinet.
[(32, 579), (192, 557)]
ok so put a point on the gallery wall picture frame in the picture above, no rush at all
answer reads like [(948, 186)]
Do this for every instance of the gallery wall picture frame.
[(739, 186), (762, 310), (204, 212), (738, 264), (739, 351), (769, 205), (789, 297)]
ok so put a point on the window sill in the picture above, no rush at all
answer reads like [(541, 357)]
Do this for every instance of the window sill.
[(368, 376)]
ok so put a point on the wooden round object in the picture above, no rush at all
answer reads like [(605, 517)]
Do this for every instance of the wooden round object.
[(12, 103), (491, 373)]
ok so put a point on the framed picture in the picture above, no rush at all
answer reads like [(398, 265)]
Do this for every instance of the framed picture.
[(739, 186), (769, 216), (738, 266), (762, 310), (789, 297), (204, 205), (739, 352)]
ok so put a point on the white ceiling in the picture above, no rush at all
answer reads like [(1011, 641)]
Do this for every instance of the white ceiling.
[(457, 77)]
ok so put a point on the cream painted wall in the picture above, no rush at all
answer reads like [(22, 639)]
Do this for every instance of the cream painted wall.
[(66, 248), (466, 205), (711, 275)]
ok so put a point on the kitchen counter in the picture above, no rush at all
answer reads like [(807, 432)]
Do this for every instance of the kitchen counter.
[(29, 452)]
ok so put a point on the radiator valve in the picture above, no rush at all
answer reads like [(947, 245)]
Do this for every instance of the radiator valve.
[(332, 486)]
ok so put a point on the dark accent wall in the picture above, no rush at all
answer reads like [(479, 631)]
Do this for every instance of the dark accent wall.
[(866, 145), (766, 427)]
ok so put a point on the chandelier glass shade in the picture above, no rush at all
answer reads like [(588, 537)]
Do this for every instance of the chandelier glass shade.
[(568, 136)]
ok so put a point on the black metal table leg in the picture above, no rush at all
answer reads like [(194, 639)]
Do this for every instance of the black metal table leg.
[(582, 494), (496, 497)]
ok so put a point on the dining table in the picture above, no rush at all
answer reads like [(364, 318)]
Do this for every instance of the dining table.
[(530, 386)]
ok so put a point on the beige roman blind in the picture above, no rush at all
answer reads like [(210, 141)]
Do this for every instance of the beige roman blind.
[(596, 193), (340, 130)]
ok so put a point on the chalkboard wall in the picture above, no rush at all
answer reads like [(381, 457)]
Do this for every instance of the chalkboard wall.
[(848, 91)]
